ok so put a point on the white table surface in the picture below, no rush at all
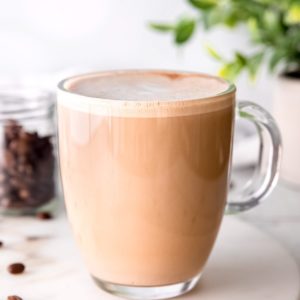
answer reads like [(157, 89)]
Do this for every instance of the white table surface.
[(245, 264), (278, 216)]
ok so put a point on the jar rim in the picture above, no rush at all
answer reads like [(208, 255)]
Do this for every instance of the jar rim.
[(23, 102)]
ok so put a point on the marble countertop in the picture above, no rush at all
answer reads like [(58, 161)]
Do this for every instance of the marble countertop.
[(278, 216)]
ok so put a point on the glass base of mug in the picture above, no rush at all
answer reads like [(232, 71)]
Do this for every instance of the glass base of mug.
[(148, 292)]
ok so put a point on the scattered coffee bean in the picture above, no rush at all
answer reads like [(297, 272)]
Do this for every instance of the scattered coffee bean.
[(232, 185), (16, 268), (1, 244), (33, 238), (14, 297), (43, 215)]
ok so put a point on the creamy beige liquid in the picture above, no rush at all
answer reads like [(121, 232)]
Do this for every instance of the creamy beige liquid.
[(145, 179)]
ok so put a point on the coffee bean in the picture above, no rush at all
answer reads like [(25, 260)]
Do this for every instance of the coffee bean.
[(14, 297), (9, 159), (43, 215), (23, 159), (11, 123), (24, 194), (33, 238), (23, 147), (16, 268), (21, 168), (28, 168), (2, 191), (14, 182), (11, 130), (6, 202), (1, 244), (13, 146), (2, 177), (29, 137)]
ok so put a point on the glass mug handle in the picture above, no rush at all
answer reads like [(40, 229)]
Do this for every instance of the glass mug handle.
[(266, 175)]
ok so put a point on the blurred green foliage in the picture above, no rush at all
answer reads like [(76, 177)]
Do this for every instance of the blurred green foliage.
[(273, 26)]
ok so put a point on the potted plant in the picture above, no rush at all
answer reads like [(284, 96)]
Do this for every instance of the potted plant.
[(274, 30)]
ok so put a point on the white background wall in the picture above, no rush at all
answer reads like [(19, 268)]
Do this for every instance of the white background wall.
[(47, 39)]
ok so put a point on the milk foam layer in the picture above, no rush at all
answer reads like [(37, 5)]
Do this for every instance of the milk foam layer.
[(147, 86), (145, 93)]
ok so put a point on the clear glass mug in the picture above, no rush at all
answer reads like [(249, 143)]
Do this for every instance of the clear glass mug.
[(146, 181)]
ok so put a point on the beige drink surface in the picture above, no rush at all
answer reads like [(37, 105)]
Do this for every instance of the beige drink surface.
[(145, 194)]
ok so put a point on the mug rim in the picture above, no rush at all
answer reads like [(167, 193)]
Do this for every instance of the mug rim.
[(144, 108), (61, 85)]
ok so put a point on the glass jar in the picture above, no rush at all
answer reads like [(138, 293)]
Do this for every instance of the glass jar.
[(27, 151)]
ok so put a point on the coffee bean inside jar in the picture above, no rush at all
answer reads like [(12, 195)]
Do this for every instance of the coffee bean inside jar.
[(27, 156)]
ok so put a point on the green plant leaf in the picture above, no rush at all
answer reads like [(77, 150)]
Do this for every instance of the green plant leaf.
[(231, 19), (252, 25), (163, 27), (246, 115), (254, 29), (275, 59), (253, 64), (240, 59), (230, 71), (211, 18), (184, 30), (270, 19), (213, 53), (293, 14), (274, 27), (204, 4)]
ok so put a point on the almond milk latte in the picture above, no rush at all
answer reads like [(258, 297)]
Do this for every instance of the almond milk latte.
[(145, 158)]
